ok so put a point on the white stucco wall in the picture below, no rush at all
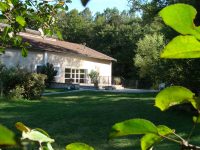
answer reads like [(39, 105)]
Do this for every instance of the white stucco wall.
[(12, 58), (104, 67), (61, 60)]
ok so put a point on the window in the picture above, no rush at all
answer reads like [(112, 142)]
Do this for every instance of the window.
[(75, 75)]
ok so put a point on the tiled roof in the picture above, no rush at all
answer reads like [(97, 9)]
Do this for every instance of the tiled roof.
[(55, 45)]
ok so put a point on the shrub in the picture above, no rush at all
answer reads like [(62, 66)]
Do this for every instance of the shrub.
[(34, 85), (50, 72), (117, 80), (94, 75), (20, 83), (16, 93)]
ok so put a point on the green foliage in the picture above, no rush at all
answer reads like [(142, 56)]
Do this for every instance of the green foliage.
[(17, 83), (94, 76), (182, 47), (17, 93), (147, 55), (34, 85), (173, 95), (79, 146), (152, 134), (111, 32), (21, 20), (183, 22), (40, 136), (39, 15), (117, 80), (181, 18), (149, 140), (50, 72), (7, 137), (133, 126)]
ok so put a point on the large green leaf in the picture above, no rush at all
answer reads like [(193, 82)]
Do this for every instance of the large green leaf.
[(4, 6), (6, 136), (149, 140), (21, 20), (133, 126), (182, 47), (173, 95), (79, 146), (164, 130), (180, 17)]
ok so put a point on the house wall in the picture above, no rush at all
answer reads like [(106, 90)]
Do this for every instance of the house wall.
[(13, 58), (69, 60)]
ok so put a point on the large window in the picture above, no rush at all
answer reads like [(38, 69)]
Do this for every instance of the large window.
[(75, 75)]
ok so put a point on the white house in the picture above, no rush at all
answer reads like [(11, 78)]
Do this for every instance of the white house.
[(72, 61)]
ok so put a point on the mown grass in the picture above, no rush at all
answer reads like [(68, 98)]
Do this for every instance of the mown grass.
[(88, 117), (52, 90)]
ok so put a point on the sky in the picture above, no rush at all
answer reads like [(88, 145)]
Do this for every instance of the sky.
[(100, 5)]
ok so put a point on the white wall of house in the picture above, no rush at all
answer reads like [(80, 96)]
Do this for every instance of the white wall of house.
[(12, 58), (104, 67), (60, 61)]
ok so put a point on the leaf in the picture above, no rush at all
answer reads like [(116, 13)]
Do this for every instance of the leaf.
[(3, 6), (180, 17), (59, 34), (21, 20), (6, 136), (21, 127), (164, 130), (42, 131), (196, 119), (173, 95), (17, 40), (84, 2), (2, 50), (49, 146), (133, 126), (24, 52), (149, 140), (35, 135), (79, 146), (182, 47)]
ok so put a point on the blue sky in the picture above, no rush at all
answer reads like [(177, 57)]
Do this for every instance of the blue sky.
[(100, 5)]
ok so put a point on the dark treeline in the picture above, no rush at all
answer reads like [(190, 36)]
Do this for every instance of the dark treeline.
[(111, 32), (135, 38)]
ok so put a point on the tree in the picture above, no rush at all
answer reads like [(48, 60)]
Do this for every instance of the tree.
[(112, 32), (185, 45), (147, 57)]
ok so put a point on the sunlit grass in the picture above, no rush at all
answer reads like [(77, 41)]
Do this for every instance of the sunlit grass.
[(88, 117)]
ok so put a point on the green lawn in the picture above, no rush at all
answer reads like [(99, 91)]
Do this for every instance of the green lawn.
[(51, 90), (88, 117)]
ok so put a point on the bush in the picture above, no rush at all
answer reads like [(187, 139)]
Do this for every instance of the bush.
[(117, 80), (50, 72), (34, 85), (94, 75), (16, 93), (20, 83)]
